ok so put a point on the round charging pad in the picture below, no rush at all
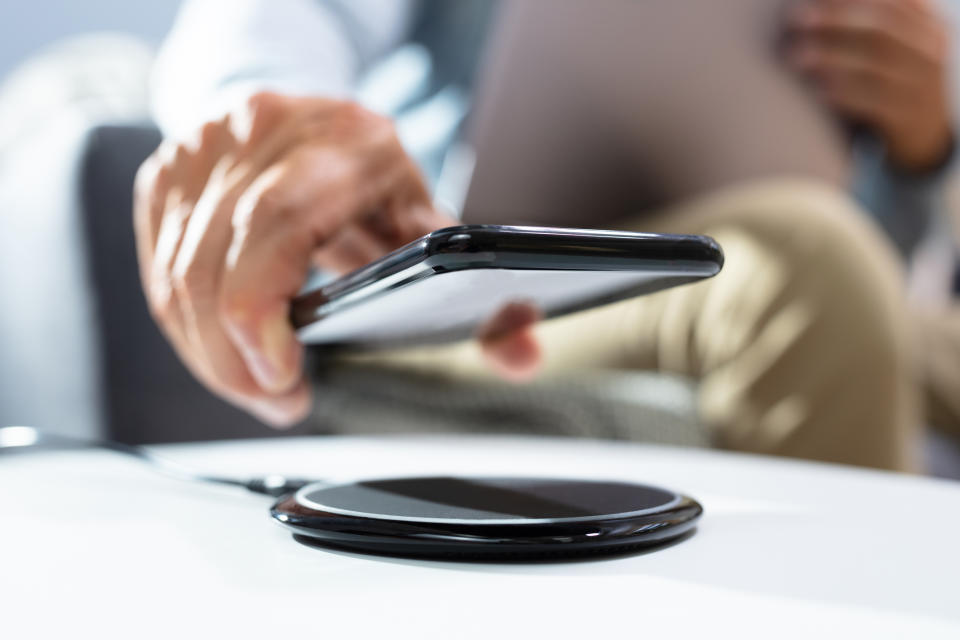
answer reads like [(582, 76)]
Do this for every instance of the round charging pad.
[(508, 518)]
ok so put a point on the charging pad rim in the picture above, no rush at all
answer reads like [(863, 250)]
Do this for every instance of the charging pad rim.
[(300, 497), (512, 539)]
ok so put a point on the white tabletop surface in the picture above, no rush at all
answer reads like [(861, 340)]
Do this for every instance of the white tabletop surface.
[(93, 545)]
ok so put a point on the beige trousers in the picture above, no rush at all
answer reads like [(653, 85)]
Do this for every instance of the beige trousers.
[(800, 345)]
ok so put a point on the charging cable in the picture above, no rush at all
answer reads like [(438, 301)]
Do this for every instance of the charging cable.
[(30, 438)]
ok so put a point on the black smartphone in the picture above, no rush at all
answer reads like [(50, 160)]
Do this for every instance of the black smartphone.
[(441, 287), (487, 518)]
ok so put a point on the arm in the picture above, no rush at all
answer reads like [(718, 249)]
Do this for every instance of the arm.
[(220, 52)]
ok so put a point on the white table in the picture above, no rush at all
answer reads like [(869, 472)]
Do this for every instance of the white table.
[(92, 542)]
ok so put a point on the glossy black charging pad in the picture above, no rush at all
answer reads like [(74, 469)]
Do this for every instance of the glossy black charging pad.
[(493, 518)]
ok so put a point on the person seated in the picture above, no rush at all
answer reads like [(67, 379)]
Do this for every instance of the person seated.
[(801, 346)]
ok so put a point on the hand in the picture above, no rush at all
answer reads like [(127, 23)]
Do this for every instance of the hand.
[(229, 224), (881, 62)]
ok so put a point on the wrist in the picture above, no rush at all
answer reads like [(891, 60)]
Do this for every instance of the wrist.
[(917, 153)]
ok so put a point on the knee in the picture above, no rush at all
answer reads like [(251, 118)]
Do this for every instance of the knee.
[(829, 340), (834, 262)]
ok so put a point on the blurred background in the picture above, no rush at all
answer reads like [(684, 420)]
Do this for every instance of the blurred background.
[(79, 352), (28, 28)]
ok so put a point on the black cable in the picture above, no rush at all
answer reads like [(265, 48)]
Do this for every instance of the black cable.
[(25, 438)]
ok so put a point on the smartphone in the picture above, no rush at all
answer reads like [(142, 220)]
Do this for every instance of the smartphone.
[(441, 287)]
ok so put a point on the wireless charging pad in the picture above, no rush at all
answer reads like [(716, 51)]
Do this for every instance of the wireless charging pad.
[(493, 518)]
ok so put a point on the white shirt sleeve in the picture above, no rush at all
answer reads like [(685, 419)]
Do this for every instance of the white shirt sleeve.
[(222, 51)]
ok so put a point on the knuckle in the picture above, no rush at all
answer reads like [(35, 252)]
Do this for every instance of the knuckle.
[(161, 179), (235, 310), (268, 200), (374, 125), (148, 175), (181, 153), (161, 303), (381, 127), (354, 111), (193, 281), (253, 207), (209, 133), (202, 139), (258, 100), (262, 107), (256, 118), (169, 153)]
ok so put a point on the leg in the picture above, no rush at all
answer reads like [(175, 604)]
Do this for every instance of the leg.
[(799, 345)]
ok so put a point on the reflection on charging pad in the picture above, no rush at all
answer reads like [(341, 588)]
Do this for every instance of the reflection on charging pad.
[(495, 518)]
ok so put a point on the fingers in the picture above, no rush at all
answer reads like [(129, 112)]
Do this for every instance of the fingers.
[(284, 410), (892, 34), (195, 276), (883, 63), (286, 214), (508, 342), (258, 284), (411, 221), (185, 197), (171, 180), (149, 198), (184, 289), (852, 83), (349, 250), (881, 29), (310, 207), (830, 59), (158, 228), (227, 225)]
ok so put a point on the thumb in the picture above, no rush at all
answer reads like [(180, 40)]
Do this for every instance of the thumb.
[(509, 344), (272, 351)]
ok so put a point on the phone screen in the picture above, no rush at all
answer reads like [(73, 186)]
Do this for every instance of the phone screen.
[(447, 306)]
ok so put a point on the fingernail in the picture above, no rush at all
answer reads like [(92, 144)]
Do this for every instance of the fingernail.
[(284, 411), (273, 416), (516, 357), (273, 365), (277, 416), (510, 318)]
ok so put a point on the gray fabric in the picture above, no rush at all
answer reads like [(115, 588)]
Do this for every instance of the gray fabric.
[(903, 205), (641, 406), (942, 455)]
